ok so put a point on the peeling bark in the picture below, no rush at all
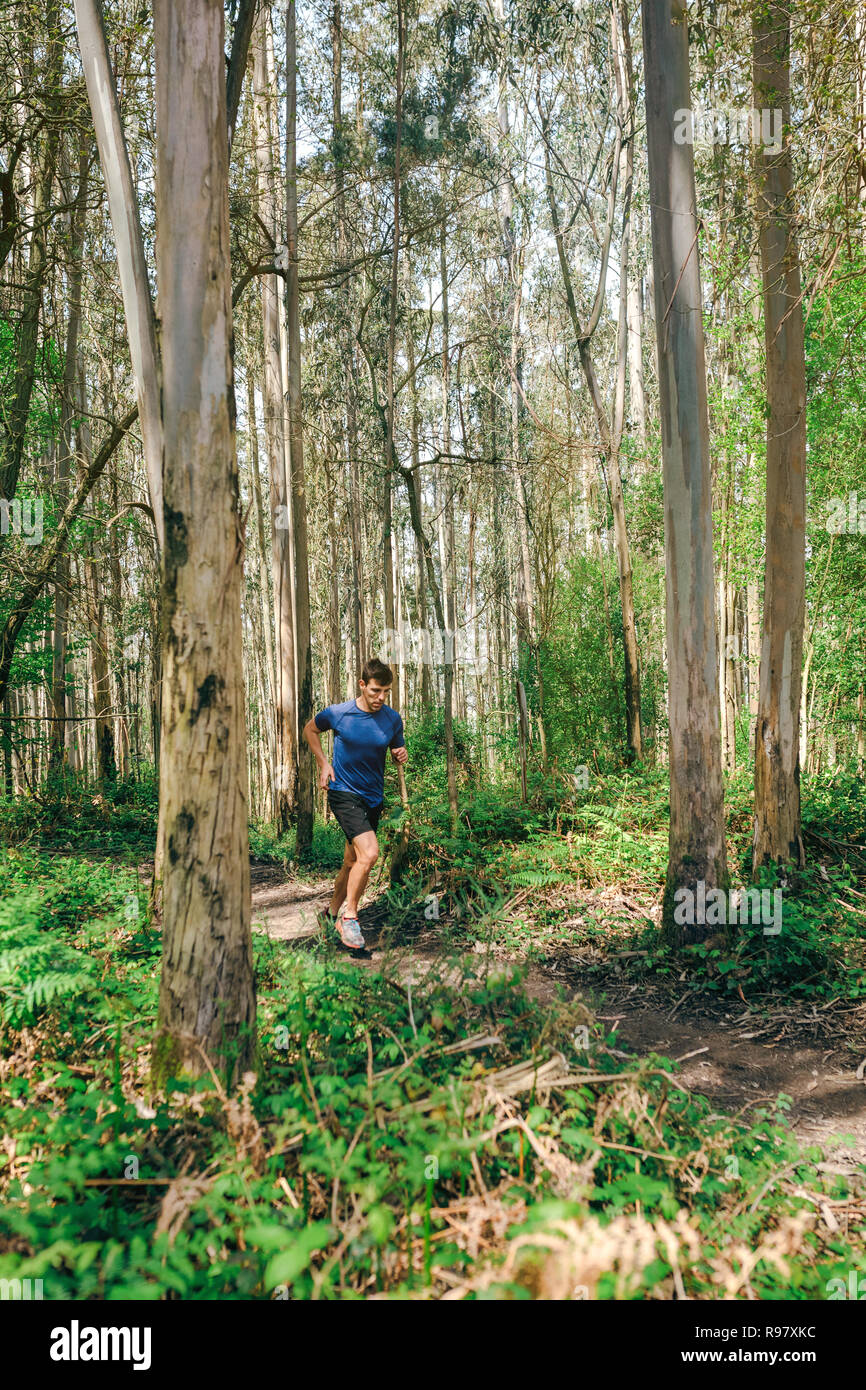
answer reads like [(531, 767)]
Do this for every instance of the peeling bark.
[(207, 993)]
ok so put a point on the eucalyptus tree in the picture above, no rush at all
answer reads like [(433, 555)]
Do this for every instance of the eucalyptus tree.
[(778, 836), (186, 398), (277, 428), (697, 851)]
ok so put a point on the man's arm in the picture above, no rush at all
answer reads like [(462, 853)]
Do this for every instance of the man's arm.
[(314, 739), (397, 745)]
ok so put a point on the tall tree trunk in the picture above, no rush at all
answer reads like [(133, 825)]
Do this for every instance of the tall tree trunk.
[(637, 397), (446, 478), (413, 485), (390, 402), (57, 728), (245, 18), (697, 830), (156, 709), (527, 621), (126, 224), (474, 625), (276, 431), (632, 278), (415, 428), (103, 729), (207, 992), (446, 521), (115, 588), (264, 582), (347, 349), (727, 671), (333, 682), (304, 824), (103, 726), (269, 713), (778, 836), (753, 631)]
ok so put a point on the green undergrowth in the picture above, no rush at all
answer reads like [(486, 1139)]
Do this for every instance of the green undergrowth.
[(326, 854), (70, 815), (395, 1141), (816, 949), (587, 869)]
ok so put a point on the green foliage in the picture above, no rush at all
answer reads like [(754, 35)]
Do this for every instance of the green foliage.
[(331, 1174), (57, 927), (70, 814), (834, 812), (583, 710), (836, 503), (326, 851), (43, 418), (428, 749), (37, 971)]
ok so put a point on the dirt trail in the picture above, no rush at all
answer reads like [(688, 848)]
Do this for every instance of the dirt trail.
[(286, 910), (741, 1057), (724, 1056)]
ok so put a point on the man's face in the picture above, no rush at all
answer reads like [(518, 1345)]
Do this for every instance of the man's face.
[(375, 694)]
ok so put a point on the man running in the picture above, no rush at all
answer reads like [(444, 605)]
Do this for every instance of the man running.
[(363, 729)]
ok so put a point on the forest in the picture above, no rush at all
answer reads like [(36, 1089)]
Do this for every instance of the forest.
[(480, 378)]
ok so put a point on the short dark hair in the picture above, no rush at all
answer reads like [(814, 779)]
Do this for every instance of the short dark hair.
[(376, 670)]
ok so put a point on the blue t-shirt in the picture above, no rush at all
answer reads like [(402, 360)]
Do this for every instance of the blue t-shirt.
[(360, 742)]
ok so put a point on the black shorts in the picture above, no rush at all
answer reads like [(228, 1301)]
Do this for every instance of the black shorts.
[(353, 814)]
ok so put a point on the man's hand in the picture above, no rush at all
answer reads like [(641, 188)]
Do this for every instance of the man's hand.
[(326, 775), (400, 755)]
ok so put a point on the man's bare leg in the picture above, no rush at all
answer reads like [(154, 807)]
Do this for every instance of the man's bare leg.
[(338, 897), (366, 848)]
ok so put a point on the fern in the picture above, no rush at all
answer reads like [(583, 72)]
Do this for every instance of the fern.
[(38, 969), (536, 878)]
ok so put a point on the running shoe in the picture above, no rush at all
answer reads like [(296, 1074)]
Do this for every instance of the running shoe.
[(349, 932)]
